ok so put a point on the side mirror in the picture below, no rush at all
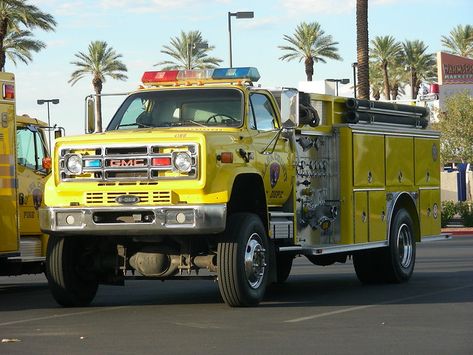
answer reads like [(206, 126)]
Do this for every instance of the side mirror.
[(58, 132), (289, 108), (89, 115)]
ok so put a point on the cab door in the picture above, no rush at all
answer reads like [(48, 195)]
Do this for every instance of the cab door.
[(31, 150), (273, 153)]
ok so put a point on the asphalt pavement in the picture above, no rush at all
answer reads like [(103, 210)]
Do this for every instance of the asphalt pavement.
[(319, 310)]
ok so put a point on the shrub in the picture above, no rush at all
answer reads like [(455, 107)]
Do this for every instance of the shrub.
[(465, 211), (448, 211)]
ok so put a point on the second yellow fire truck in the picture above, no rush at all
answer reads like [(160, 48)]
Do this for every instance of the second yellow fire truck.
[(205, 170), (24, 165)]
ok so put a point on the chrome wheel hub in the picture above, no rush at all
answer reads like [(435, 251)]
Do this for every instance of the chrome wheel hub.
[(255, 261), (405, 245)]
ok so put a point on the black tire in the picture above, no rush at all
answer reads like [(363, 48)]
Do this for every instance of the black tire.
[(395, 263), (70, 285), (283, 267), (402, 248), (243, 261), (370, 266)]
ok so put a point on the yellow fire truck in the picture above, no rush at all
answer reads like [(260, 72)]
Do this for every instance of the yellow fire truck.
[(205, 170), (24, 165)]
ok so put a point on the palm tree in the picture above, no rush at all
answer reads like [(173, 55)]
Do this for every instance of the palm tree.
[(397, 79), (189, 51), (460, 41), (384, 51), (14, 13), (311, 44), (100, 61), (421, 65), (376, 80), (19, 45), (362, 50)]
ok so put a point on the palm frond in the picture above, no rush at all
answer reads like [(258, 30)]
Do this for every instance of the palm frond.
[(310, 44)]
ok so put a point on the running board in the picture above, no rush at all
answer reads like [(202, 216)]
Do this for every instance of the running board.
[(209, 277), (332, 249)]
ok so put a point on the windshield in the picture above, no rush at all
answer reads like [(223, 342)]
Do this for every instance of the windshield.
[(186, 107)]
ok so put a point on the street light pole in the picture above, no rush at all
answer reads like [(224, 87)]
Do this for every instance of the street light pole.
[(354, 66), (47, 102), (239, 14)]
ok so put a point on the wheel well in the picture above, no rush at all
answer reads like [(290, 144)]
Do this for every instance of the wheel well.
[(406, 201), (248, 196)]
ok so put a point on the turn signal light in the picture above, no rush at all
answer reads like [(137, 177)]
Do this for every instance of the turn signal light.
[(226, 157), (46, 163), (165, 161)]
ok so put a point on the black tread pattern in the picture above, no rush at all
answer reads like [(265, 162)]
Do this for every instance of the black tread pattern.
[(66, 287), (231, 279)]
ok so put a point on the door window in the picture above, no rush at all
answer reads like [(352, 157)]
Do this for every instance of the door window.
[(30, 148), (262, 116)]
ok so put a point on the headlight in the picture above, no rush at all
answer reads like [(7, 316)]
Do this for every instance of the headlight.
[(74, 164), (183, 162)]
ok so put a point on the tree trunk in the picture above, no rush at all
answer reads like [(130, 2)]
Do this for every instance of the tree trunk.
[(362, 49), (3, 33), (413, 94), (395, 91), (97, 83), (376, 95), (309, 68), (414, 84), (387, 87)]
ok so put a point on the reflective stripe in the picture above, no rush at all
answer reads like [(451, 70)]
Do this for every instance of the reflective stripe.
[(8, 183), (5, 159), (6, 171)]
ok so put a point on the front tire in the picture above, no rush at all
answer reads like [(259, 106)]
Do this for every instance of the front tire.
[(243, 261), (70, 284)]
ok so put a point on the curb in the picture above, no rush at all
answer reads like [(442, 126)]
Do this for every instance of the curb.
[(458, 231)]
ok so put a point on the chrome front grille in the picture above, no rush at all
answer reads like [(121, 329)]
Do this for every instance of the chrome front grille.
[(145, 197), (129, 162)]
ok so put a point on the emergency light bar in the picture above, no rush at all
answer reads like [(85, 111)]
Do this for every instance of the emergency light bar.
[(221, 74)]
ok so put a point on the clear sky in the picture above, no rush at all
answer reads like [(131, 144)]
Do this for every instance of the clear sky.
[(138, 29)]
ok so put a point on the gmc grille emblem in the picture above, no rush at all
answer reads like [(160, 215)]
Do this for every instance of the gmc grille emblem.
[(127, 199), (127, 162)]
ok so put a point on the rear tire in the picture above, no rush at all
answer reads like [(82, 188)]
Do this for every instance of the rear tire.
[(395, 263), (69, 283), (402, 248), (243, 261), (283, 267), (370, 266)]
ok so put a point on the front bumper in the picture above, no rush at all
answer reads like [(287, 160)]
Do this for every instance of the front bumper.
[(133, 221)]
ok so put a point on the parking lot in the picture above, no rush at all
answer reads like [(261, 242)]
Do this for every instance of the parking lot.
[(319, 310)]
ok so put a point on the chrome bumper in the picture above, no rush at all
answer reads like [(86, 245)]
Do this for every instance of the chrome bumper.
[(133, 221)]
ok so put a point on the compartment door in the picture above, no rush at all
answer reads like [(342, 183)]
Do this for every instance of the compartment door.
[(399, 161), (429, 212), (368, 160), (377, 216), (427, 162), (361, 217)]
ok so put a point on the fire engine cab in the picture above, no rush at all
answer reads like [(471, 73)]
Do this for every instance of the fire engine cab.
[(203, 174)]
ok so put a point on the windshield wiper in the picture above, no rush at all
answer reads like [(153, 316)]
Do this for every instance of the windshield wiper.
[(185, 122), (140, 125)]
